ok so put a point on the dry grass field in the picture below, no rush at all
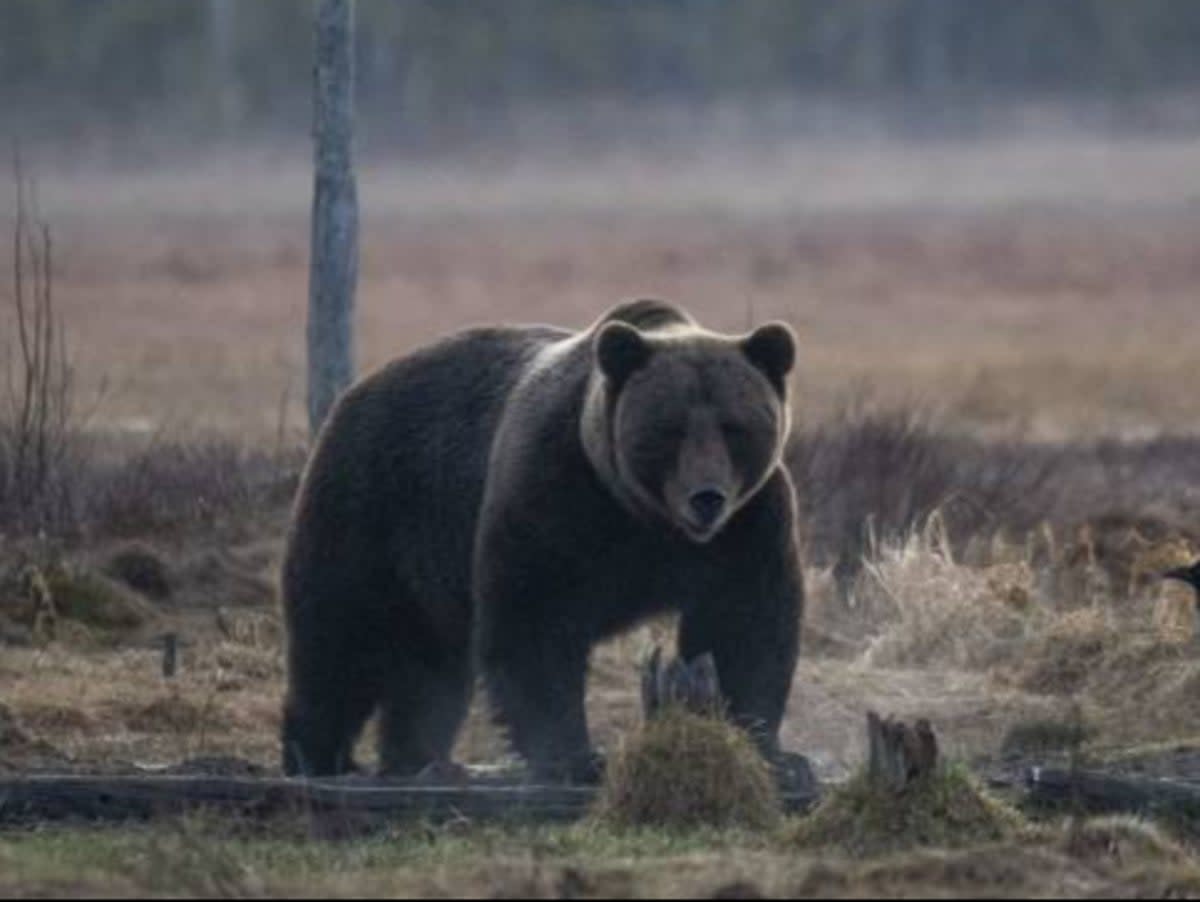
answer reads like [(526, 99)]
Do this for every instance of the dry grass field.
[(1040, 289), (1030, 306)]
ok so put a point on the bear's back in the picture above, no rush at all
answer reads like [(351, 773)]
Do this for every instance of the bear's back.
[(400, 466)]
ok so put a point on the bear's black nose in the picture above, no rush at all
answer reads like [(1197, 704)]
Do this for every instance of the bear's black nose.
[(707, 506)]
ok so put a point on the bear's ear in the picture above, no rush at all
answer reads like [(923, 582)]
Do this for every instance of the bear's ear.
[(620, 351), (772, 349)]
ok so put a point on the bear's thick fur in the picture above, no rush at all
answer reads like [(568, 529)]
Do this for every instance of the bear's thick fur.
[(499, 502)]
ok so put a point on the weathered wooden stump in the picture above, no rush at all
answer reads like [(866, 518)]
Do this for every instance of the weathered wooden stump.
[(693, 687), (899, 755)]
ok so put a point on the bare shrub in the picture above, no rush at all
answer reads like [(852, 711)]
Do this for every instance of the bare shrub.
[(36, 425), (165, 487), (868, 478), (171, 486), (58, 481)]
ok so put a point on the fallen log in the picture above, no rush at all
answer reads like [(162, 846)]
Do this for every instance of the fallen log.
[(1097, 793), (122, 798), (46, 798)]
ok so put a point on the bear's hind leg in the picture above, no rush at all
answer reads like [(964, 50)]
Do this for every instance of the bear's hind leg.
[(425, 702), (537, 688), (327, 706)]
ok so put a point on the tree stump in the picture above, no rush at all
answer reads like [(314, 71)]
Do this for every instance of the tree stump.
[(693, 687), (899, 755)]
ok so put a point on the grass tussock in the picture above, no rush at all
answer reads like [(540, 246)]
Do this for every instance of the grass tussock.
[(947, 810), (939, 613), (1015, 870), (11, 734), (1122, 839), (18, 748), (97, 602), (683, 771), (1072, 648), (45, 598), (1133, 684), (1075, 648), (1080, 624)]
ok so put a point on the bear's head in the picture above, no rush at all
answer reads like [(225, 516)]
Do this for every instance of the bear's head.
[(687, 423)]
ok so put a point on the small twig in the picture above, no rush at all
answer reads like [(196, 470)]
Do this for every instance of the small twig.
[(281, 421), (170, 661)]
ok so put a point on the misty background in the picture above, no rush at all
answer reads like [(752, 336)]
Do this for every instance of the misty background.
[(988, 206), (130, 78)]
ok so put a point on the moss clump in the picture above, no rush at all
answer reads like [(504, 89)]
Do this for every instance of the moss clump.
[(945, 810), (97, 602), (683, 771)]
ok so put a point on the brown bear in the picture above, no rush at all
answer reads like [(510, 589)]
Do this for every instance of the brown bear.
[(503, 500)]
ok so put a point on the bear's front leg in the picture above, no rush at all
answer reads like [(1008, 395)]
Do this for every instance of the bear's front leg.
[(754, 642), (747, 613), (536, 676)]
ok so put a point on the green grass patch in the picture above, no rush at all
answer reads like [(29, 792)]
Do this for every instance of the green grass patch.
[(946, 810), (208, 857), (213, 857), (684, 771)]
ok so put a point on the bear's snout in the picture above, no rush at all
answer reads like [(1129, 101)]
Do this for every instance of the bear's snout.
[(706, 507), (701, 510)]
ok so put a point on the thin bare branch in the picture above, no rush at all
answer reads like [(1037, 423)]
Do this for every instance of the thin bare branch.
[(37, 428)]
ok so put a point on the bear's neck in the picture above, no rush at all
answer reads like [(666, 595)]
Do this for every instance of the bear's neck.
[(596, 435)]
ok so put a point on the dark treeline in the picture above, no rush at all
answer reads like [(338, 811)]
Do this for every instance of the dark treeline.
[(431, 65)]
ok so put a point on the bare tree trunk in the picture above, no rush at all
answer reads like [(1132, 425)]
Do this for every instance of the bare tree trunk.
[(333, 276), (222, 37)]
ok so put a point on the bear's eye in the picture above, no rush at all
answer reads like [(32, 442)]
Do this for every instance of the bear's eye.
[(665, 434), (734, 430)]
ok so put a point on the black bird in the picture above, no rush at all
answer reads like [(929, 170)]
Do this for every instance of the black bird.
[(1189, 575)]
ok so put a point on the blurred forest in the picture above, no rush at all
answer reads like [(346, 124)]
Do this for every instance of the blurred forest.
[(436, 72)]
